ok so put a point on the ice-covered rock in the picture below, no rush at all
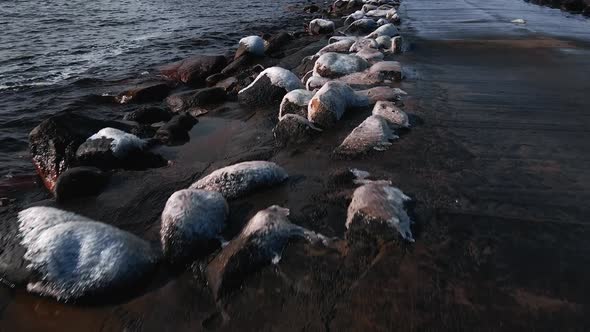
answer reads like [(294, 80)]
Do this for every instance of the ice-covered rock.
[(377, 204), (384, 30), (341, 46), (320, 26), (112, 148), (294, 129), (73, 256), (269, 87), (362, 26), (295, 102), (331, 101), (333, 65), (260, 243), (237, 180), (392, 114), (372, 134), (253, 45), (192, 222)]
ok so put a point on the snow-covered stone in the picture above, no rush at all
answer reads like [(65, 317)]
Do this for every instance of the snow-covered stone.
[(333, 65), (260, 243), (271, 85), (377, 204), (237, 180), (192, 222), (392, 114), (74, 256), (372, 134), (295, 102), (320, 26), (253, 45)]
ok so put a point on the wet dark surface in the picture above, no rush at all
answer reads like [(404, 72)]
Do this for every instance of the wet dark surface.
[(498, 168)]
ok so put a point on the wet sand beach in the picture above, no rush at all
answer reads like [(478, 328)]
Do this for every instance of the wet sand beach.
[(498, 167)]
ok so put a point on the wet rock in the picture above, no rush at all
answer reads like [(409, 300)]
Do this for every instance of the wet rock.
[(341, 46), (368, 7), (259, 244), (196, 102), (362, 26), (396, 45), (386, 70), (80, 182), (359, 14), (333, 65), (277, 42), (148, 115), (385, 30), (229, 85), (74, 257), (372, 134), (270, 87), (295, 102), (54, 142), (237, 180), (320, 26), (242, 64), (176, 130), (371, 55), (111, 148), (311, 9), (192, 222), (576, 6), (392, 114), (144, 93), (343, 7), (194, 70), (381, 93), (294, 129), (331, 101), (253, 45), (376, 204)]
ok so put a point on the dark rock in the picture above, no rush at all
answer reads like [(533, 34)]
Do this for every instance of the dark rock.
[(586, 11), (194, 70), (54, 142), (277, 41), (294, 129), (176, 130), (79, 182), (241, 64), (195, 101), (573, 5), (311, 9), (148, 115), (229, 84), (213, 79), (144, 93)]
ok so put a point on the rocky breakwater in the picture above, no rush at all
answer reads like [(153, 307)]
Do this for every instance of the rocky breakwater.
[(343, 65)]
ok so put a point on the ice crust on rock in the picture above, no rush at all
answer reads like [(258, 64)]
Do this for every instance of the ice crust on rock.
[(75, 256), (122, 142), (242, 178), (380, 203)]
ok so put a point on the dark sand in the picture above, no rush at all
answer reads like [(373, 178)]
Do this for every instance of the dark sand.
[(499, 170)]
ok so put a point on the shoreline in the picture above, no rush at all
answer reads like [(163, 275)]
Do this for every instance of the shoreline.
[(468, 249)]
